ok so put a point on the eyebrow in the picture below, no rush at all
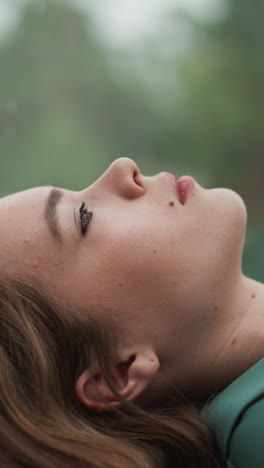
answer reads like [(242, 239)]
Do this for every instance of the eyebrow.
[(51, 212)]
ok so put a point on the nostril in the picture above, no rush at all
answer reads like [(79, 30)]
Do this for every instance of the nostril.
[(137, 178)]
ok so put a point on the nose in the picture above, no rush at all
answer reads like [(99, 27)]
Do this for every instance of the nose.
[(123, 177)]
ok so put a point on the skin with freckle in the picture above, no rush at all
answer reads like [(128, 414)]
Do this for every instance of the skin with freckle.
[(167, 301)]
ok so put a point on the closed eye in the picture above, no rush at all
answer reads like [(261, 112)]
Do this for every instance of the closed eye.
[(85, 218)]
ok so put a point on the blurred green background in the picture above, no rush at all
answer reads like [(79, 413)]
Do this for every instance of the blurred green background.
[(176, 85)]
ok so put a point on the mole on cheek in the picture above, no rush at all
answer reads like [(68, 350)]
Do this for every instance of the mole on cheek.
[(35, 264), (171, 203)]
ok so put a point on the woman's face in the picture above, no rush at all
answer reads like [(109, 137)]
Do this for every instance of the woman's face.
[(152, 263)]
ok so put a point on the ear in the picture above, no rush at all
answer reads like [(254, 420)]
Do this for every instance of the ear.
[(131, 376)]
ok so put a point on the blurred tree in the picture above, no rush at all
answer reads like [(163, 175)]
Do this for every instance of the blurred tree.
[(253, 257), (215, 108), (63, 116)]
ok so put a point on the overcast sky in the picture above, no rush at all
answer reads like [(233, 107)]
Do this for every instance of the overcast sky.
[(127, 20), (123, 21)]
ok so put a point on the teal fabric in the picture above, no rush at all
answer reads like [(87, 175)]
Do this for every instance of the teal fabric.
[(236, 416)]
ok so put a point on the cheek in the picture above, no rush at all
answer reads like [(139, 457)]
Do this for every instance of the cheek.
[(117, 272), (139, 262), (125, 260)]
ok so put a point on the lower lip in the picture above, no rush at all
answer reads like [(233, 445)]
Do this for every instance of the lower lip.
[(184, 187)]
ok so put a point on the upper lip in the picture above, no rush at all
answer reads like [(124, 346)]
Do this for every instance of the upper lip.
[(174, 183)]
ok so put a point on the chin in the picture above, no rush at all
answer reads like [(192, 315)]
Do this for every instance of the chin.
[(231, 210), (231, 200), (239, 204)]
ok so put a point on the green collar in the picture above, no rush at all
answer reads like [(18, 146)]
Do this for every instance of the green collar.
[(225, 410)]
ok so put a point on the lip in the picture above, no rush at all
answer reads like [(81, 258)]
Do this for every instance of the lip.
[(183, 186)]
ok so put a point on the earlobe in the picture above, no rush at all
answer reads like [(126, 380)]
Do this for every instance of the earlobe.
[(131, 377)]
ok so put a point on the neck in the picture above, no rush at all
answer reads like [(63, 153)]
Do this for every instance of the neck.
[(239, 342), (235, 344), (244, 344), (231, 347)]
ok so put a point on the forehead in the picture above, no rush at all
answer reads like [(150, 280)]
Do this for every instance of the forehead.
[(21, 222), (25, 197), (21, 210)]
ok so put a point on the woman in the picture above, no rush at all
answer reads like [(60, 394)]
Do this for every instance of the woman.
[(123, 312)]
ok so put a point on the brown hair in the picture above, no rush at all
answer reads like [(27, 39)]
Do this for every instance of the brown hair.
[(44, 347)]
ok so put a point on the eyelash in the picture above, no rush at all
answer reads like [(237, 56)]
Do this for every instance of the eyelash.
[(85, 217)]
